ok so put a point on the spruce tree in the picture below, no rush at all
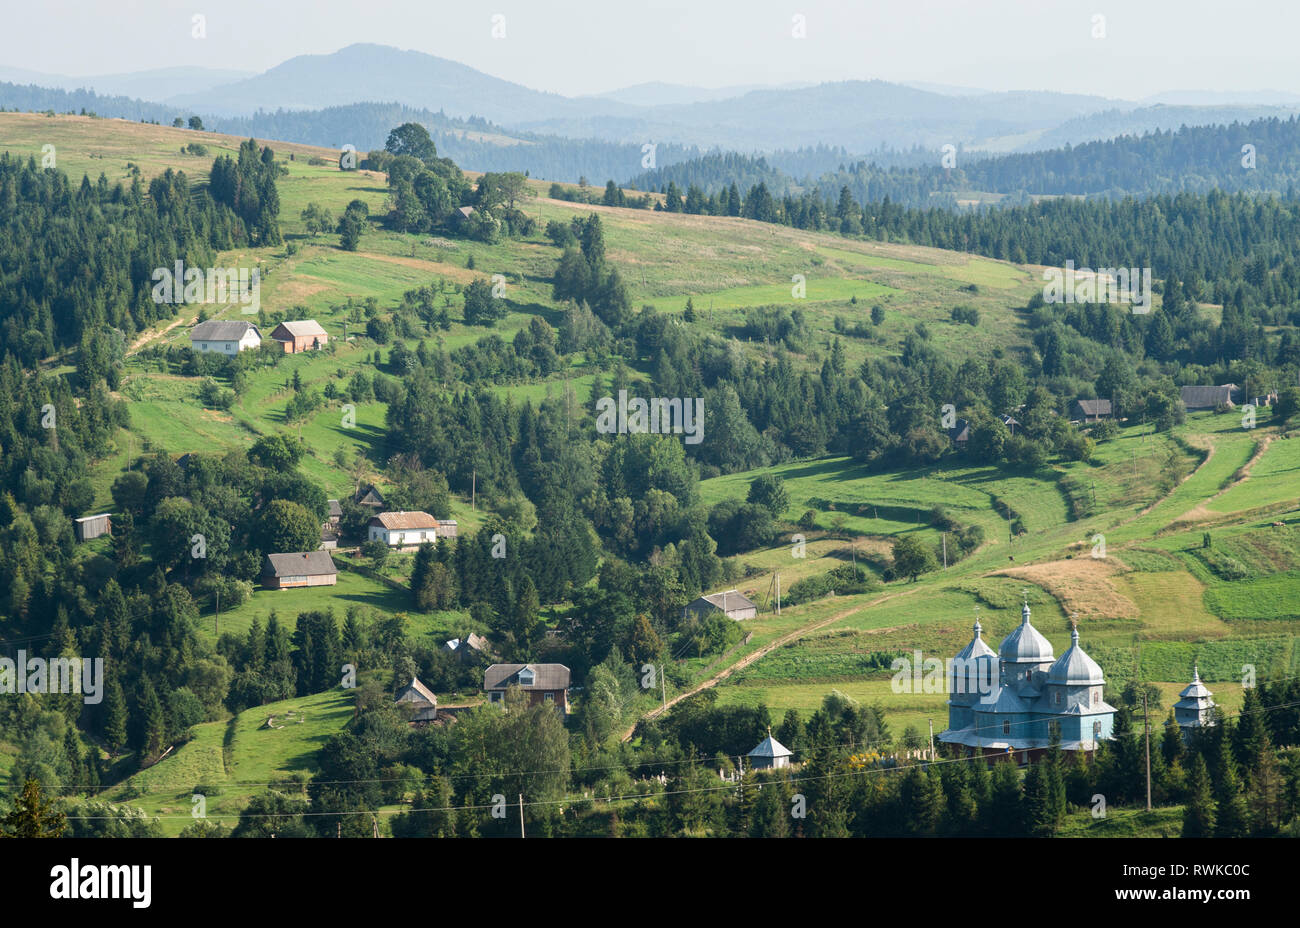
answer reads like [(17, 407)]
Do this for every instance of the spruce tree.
[(1232, 820), (114, 728), (1199, 815)]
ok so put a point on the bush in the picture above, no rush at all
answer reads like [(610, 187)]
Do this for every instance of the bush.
[(844, 580)]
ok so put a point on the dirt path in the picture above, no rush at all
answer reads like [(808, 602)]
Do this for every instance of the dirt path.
[(148, 337), (753, 656)]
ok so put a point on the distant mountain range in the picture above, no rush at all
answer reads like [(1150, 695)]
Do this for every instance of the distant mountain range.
[(355, 91), (153, 85)]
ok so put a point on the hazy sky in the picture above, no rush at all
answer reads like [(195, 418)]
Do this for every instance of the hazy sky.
[(589, 46)]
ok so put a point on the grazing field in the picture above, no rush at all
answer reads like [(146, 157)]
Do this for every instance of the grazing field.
[(229, 762)]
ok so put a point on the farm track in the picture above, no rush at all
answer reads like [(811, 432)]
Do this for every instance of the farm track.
[(754, 656), (151, 336)]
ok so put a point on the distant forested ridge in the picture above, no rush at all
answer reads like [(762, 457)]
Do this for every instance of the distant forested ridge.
[(1197, 160)]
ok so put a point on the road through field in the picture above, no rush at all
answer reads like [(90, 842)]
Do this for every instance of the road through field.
[(766, 649)]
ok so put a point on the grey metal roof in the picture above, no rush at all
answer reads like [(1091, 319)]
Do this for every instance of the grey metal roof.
[(335, 508), (770, 747), (221, 330), (1075, 667), (299, 564), (1026, 644), (728, 600), (300, 328), (546, 676), (1196, 690), (1002, 700), (976, 647)]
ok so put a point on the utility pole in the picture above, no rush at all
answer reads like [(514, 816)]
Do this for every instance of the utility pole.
[(945, 550), (931, 721), (663, 687), (216, 619), (473, 490), (1146, 724), (521, 815), (778, 592)]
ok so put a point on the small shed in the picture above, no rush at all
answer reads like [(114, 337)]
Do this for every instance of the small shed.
[(959, 434), (336, 512), (423, 702), (770, 754), (89, 527)]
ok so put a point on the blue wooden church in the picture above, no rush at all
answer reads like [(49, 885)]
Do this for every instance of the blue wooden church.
[(1008, 702)]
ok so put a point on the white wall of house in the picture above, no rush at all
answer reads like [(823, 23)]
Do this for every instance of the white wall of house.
[(401, 537), (250, 340)]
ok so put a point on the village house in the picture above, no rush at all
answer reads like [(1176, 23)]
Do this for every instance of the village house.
[(336, 512), (1210, 397), (404, 529), (423, 703), (732, 603), (297, 569), (300, 335), (544, 683), (88, 527), (959, 434), (447, 528), (221, 336), (1091, 410)]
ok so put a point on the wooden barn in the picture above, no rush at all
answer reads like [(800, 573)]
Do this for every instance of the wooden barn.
[(299, 568), (1091, 410), (88, 527), (424, 705), (1194, 397), (300, 335), (731, 603), (369, 495)]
